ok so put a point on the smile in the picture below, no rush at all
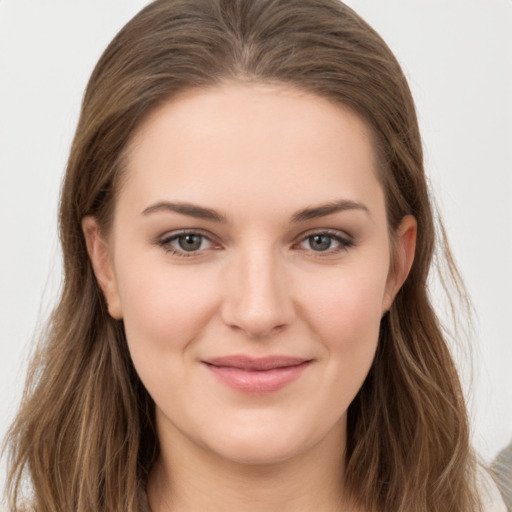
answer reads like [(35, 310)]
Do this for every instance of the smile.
[(257, 375)]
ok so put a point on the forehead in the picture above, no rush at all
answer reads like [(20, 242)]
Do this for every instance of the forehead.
[(238, 142)]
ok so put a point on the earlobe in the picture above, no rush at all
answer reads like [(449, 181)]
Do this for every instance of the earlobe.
[(404, 250), (102, 265)]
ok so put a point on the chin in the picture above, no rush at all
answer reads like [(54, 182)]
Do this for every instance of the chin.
[(264, 444), (253, 453)]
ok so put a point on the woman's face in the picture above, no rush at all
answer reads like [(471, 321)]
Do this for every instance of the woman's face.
[(249, 259)]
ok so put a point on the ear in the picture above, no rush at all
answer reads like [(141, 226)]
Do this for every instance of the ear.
[(404, 244), (97, 249)]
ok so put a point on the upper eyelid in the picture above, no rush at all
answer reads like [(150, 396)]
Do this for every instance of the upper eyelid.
[(183, 232), (336, 233), (331, 231), (197, 231)]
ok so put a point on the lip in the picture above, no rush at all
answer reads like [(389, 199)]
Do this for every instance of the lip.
[(257, 375)]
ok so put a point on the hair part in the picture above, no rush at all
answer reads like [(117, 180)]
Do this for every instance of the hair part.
[(85, 436)]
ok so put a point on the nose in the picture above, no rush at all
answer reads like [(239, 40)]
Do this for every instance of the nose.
[(258, 298)]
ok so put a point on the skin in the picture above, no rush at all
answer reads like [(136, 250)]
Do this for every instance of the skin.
[(257, 284)]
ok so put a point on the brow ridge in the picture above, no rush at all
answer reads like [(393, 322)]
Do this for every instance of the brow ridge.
[(200, 212), (192, 210), (323, 210)]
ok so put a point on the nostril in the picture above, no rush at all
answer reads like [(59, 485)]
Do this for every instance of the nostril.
[(257, 333)]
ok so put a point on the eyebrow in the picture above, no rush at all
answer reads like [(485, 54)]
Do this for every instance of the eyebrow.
[(327, 209), (192, 210), (200, 212)]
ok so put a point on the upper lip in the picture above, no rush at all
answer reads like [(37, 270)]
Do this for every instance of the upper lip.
[(248, 363)]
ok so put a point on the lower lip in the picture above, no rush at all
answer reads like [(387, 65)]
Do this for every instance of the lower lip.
[(258, 381)]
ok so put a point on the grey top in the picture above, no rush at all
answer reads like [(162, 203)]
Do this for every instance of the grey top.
[(502, 472)]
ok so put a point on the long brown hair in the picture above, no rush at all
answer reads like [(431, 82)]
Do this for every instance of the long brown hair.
[(84, 438)]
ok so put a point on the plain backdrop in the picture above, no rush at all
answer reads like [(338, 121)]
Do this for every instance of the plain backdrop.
[(457, 55)]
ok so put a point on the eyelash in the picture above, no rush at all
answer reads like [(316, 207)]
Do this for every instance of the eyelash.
[(165, 243), (344, 242)]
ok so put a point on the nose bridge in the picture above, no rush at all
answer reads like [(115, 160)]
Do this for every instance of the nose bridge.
[(258, 299)]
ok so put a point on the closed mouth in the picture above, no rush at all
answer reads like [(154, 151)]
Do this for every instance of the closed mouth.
[(257, 375)]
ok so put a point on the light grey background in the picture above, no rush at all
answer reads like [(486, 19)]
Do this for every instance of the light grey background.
[(458, 57)]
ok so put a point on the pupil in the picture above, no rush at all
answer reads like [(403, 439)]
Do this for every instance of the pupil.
[(190, 242), (320, 242)]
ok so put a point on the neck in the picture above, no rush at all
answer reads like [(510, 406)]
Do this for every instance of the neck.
[(188, 478)]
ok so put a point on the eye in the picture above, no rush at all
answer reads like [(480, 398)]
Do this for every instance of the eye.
[(326, 241), (185, 243)]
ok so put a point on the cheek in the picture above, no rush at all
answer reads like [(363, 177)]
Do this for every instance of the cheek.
[(347, 306), (344, 313), (164, 310)]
